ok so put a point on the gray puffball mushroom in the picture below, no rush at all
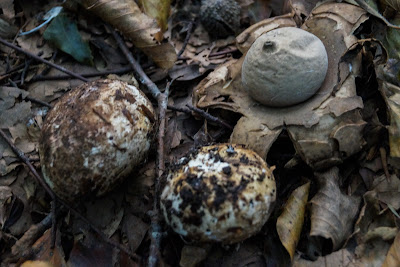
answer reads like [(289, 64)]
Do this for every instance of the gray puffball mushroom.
[(221, 193), (284, 67), (93, 137)]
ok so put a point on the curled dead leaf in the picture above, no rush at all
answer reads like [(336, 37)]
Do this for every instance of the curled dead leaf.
[(393, 256), (143, 31), (332, 211), (290, 222)]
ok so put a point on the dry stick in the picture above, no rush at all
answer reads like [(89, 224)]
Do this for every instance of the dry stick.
[(162, 99), (210, 117), (155, 92), (223, 52), (204, 114), (40, 180), (4, 42), (188, 33), (382, 152)]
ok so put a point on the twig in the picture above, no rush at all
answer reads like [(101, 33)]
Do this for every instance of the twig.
[(223, 52), (162, 99), (188, 33), (54, 197), (155, 92), (86, 75), (204, 114), (26, 67), (20, 248), (382, 152), (38, 102), (25, 159), (4, 42), (209, 117)]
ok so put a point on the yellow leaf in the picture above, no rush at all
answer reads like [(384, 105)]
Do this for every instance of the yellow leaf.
[(157, 9), (291, 220), (393, 256)]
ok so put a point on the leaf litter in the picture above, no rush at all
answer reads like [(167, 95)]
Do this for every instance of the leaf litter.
[(349, 213)]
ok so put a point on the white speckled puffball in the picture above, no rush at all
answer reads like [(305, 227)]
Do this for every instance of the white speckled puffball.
[(94, 136), (284, 67), (221, 193)]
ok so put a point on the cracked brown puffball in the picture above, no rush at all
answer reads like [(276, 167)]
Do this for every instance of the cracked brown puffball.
[(93, 137), (221, 193), (284, 67)]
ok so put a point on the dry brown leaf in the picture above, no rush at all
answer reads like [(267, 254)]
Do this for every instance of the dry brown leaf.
[(324, 129), (157, 9), (393, 256), (143, 31), (332, 212), (391, 94), (90, 252), (134, 234), (43, 250), (37, 264), (191, 256), (342, 257), (290, 222)]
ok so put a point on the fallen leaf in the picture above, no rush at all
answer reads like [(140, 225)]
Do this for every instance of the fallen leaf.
[(157, 9), (134, 230), (393, 255), (290, 222), (90, 252), (126, 16), (192, 256), (332, 212), (63, 33), (43, 250), (37, 264)]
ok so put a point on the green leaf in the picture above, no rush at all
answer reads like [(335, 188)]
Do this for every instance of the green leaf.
[(63, 33)]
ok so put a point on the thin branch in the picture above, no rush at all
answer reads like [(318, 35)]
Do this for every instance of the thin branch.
[(209, 117), (155, 92), (382, 152), (188, 33), (4, 42), (25, 159)]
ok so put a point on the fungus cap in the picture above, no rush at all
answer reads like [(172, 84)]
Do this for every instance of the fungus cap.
[(284, 67), (93, 137), (221, 193)]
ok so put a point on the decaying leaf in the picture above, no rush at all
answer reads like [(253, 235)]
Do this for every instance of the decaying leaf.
[(191, 256), (44, 251), (332, 211), (324, 129), (393, 256), (391, 94), (90, 251), (143, 31), (63, 33), (290, 222), (157, 9), (135, 234)]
